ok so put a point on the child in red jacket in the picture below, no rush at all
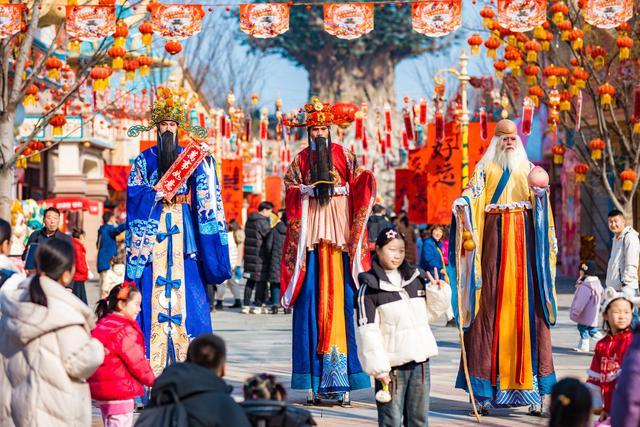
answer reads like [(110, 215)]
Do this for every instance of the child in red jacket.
[(617, 312), (125, 369)]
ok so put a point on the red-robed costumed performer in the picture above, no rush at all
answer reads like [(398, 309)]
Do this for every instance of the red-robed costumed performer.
[(328, 200)]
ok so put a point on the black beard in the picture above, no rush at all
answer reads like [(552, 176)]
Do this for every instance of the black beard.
[(321, 169), (167, 152)]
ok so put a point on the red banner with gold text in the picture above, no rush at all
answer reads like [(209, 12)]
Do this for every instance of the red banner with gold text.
[(232, 196)]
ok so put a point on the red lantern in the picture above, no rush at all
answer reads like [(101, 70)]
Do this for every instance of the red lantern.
[(628, 177), (598, 54), (492, 45), (625, 43), (500, 66), (130, 67), (57, 121), (53, 65), (475, 41), (121, 33), (597, 147), (487, 13), (146, 29), (532, 71), (117, 54), (344, 113), (581, 170), (558, 154), (145, 63), (577, 39), (532, 48), (30, 96), (173, 47), (607, 92), (559, 11)]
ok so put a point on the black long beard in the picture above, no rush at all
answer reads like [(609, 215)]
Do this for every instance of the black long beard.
[(321, 168), (167, 152)]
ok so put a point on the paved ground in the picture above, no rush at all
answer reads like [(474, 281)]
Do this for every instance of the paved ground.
[(262, 343)]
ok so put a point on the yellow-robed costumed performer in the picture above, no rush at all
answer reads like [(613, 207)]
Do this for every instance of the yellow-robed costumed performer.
[(502, 258)]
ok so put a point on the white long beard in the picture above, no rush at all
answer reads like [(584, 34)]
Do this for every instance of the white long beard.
[(511, 159)]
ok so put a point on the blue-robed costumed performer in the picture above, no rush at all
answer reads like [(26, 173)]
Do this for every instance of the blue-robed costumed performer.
[(502, 258), (174, 247)]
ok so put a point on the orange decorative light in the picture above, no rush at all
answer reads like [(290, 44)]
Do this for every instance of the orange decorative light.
[(558, 154), (607, 92), (532, 71), (597, 148), (146, 29), (492, 45), (53, 65), (577, 39), (581, 170), (57, 121), (475, 41), (500, 66), (628, 177), (121, 33), (625, 43), (173, 47), (117, 54), (532, 48)]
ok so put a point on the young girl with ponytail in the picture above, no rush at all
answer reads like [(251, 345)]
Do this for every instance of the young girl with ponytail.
[(46, 350), (125, 370)]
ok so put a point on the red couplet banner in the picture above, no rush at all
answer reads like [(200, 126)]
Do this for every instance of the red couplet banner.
[(232, 196), (273, 191), (434, 178)]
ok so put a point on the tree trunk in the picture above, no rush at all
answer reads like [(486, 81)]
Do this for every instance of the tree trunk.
[(6, 171), (370, 79)]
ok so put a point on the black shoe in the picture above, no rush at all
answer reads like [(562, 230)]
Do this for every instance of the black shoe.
[(288, 310), (218, 305), (237, 304), (451, 324), (274, 309)]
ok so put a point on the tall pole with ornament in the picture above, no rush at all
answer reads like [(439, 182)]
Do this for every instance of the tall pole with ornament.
[(463, 77)]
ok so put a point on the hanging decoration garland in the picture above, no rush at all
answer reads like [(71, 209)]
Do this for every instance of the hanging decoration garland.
[(348, 20), (264, 20), (607, 14), (176, 22), (521, 15), (436, 19)]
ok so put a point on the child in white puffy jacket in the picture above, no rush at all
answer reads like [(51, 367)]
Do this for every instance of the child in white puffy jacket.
[(394, 306)]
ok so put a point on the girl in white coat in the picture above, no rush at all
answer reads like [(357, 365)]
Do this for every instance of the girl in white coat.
[(395, 304), (46, 349)]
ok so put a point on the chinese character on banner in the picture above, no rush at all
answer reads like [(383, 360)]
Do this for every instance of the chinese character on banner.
[(232, 195), (10, 19), (264, 20), (436, 18), (90, 23), (607, 13), (177, 175), (177, 21), (404, 179), (348, 20), (521, 15)]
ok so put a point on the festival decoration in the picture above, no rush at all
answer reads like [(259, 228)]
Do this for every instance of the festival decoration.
[(359, 116), (11, 21), (559, 12), (628, 177), (565, 28), (348, 20), (598, 55), (500, 66), (121, 33), (130, 66), (344, 113), (625, 43), (596, 146), (475, 41), (581, 170), (264, 124), (436, 19), (176, 21), (181, 170), (173, 47), (53, 65), (57, 121), (532, 48), (145, 65), (423, 111), (521, 15), (558, 154), (100, 76), (487, 13), (492, 45), (146, 29), (577, 39), (117, 54), (90, 23), (532, 71), (484, 124), (607, 14), (607, 92), (528, 107), (264, 20), (30, 96)]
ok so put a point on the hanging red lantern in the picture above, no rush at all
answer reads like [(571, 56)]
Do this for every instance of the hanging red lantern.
[(532, 48), (565, 28), (596, 146), (53, 65), (559, 12), (500, 66), (475, 41), (581, 170), (57, 121), (130, 66), (628, 177), (558, 154), (565, 101), (145, 65), (625, 43), (532, 71), (121, 33), (577, 39), (607, 92), (117, 54), (598, 54), (173, 47), (146, 29), (344, 113), (30, 96), (492, 44), (423, 111), (487, 13)]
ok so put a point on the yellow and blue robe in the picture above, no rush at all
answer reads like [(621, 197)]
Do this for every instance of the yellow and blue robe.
[(508, 300), (173, 251)]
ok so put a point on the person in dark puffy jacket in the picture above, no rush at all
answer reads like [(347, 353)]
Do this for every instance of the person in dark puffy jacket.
[(119, 380), (275, 243), (199, 387), (376, 222), (256, 257)]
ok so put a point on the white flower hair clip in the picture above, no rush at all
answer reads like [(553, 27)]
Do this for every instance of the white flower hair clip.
[(391, 234)]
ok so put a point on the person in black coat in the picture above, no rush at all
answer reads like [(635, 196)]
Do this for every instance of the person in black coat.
[(256, 256), (275, 244), (48, 231), (376, 223), (198, 386)]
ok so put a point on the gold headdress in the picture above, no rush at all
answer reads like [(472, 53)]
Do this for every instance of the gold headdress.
[(169, 108), (316, 113)]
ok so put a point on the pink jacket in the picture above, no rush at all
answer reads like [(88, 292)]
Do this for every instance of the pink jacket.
[(586, 302)]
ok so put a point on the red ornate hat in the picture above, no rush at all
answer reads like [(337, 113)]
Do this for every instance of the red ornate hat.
[(317, 113)]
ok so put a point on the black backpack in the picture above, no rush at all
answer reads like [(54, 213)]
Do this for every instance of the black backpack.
[(167, 411), (4, 275)]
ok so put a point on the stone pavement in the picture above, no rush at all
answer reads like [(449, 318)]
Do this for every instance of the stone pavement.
[(262, 343)]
